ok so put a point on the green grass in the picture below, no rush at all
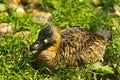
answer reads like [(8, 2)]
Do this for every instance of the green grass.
[(13, 49)]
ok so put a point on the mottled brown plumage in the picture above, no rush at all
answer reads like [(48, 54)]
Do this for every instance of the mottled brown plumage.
[(71, 46)]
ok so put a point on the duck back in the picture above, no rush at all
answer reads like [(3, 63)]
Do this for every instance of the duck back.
[(79, 46)]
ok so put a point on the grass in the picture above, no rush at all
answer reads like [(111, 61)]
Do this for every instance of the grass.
[(14, 48)]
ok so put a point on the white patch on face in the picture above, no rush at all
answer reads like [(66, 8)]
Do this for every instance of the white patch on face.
[(45, 41)]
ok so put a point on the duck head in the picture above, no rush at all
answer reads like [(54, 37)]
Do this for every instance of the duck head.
[(48, 39)]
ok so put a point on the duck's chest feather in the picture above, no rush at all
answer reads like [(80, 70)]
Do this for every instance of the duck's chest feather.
[(44, 59)]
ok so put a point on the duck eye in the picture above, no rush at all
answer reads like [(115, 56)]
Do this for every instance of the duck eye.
[(45, 41)]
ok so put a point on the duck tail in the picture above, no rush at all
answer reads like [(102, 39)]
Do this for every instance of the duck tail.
[(105, 32)]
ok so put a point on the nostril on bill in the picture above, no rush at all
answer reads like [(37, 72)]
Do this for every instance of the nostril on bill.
[(34, 47)]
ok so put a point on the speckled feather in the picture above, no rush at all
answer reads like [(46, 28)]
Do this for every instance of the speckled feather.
[(73, 46), (83, 45)]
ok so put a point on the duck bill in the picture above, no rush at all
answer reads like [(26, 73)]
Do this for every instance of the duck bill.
[(36, 45)]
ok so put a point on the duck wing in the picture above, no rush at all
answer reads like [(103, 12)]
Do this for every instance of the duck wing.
[(79, 45)]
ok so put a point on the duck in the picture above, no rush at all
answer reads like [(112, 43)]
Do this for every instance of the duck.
[(71, 46)]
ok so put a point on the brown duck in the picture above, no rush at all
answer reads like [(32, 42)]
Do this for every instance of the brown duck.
[(71, 46)]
